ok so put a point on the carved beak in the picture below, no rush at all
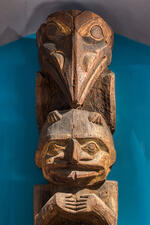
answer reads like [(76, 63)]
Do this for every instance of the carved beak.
[(88, 62), (76, 64)]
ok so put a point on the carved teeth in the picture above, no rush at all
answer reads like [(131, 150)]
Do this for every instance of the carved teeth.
[(81, 174)]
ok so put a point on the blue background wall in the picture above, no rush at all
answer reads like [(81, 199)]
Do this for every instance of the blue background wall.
[(19, 135)]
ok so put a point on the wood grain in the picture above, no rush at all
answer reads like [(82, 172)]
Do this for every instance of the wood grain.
[(76, 115)]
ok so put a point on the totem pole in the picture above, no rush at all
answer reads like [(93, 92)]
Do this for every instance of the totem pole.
[(75, 104)]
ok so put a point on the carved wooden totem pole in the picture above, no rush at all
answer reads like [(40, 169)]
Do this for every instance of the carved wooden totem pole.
[(75, 103)]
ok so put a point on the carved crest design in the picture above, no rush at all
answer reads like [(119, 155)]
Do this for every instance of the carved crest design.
[(75, 106)]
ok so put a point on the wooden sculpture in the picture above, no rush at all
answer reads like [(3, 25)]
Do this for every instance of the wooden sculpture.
[(75, 104)]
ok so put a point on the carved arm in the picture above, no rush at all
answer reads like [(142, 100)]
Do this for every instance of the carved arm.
[(47, 212), (101, 210)]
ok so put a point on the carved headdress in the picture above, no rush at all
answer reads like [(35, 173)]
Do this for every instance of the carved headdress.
[(75, 49)]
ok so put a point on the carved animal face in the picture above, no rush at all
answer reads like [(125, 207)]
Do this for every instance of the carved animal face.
[(77, 150), (74, 49)]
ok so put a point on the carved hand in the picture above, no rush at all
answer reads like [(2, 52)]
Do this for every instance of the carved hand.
[(100, 209), (72, 204), (69, 204), (84, 203), (65, 203), (56, 205), (92, 204)]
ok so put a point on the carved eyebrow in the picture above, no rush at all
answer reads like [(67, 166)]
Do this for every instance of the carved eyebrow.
[(96, 140), (89, 24), (63, 27)]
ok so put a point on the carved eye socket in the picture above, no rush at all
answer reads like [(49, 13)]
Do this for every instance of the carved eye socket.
[(55, 149), (93, 35), (91, 148), (96, 32), (53, 30)]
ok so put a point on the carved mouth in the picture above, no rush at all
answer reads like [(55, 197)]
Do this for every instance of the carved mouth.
[(81, 174), (65, 175)]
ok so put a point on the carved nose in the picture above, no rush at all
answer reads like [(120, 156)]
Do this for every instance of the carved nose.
[(72, 152)]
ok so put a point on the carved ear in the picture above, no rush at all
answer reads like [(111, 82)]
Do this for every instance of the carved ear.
[(48, 98), (53, 117), (95, 118)]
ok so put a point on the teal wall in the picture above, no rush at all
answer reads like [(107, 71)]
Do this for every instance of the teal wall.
[(19, 135)]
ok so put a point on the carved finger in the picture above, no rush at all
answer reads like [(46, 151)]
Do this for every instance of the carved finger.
[(70, 200), (70, 210), (70, 207), (81, 207), (81, 204), (75, 204), (75, 207), (84, 196), (69, 203)]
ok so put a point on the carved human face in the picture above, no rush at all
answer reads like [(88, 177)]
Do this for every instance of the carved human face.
[(79, 150), (74, 49)]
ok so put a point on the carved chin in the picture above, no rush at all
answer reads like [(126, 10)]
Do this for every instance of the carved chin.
[(75, 177)]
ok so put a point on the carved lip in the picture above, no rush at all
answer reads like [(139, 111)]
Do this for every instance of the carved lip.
[(68, 167), (74, 174), (81, 174)]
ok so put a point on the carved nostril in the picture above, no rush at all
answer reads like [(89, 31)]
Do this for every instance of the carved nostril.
[(60, 59), (88, 61)]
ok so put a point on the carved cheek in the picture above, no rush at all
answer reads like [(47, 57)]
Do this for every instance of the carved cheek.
[(85, 156), (103, 159)]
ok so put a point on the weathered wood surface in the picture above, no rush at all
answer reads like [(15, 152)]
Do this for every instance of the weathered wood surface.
[(75, 147), (76, 114), (101, 98), (74, 52), (95, 206)]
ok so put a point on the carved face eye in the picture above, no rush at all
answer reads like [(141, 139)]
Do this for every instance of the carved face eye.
[(53, 30), (55, 149), (96, 32), (91, 148), (92, 34)]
